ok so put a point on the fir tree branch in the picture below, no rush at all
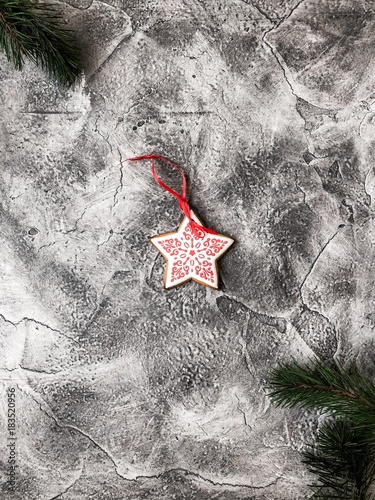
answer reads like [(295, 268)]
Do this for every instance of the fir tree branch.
[(343, 464), (33, 31), (344, 455), (326, 386)]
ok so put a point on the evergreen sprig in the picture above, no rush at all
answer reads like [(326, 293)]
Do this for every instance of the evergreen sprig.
[(33, 31), (342, 461), (343, 458), (327, 386)]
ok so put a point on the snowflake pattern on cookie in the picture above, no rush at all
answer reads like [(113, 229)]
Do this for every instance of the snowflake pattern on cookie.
[(190, 257)]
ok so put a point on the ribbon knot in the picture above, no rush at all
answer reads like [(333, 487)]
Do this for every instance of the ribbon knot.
[(197, 229)]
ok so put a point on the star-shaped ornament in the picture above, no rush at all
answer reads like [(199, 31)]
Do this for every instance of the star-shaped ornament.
[(190, 257)]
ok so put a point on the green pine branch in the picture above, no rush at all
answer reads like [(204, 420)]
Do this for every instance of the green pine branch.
[(329, 387), (33, 31), (343, 458), (342, 461)]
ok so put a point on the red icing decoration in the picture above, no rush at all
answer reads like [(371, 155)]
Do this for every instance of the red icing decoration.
[(192, 254)]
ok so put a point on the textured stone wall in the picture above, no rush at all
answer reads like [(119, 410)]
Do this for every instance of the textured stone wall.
[(124, 390)]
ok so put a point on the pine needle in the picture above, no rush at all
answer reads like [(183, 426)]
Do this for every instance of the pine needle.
[(329, 387), (343, 458), (343, 464), (33, 31)]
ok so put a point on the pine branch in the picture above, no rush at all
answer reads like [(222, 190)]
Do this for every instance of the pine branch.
[(33, 31), (327, 386), (343, 464), (343, 459)]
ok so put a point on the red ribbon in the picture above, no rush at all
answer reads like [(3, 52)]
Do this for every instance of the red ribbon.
[(182, 201)]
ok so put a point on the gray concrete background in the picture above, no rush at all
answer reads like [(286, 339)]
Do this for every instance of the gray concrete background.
[(124, 390)]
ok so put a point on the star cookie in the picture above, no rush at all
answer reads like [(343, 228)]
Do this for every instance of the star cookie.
[(190, 257)]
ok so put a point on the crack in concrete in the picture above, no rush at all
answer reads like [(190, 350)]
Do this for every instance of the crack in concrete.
[(150, 274), (201, 427), (8, 321), (279, 59), (282, 20), (70, 486), (97, 308), (52, 416), (81, 8), (306, 131), (46, 246), (264, 318), (350, 211), (49, 413), (210, 481), (111, 233), (96, 444), (76, 223), (303, 193), (120, 186), (244, 352), (262, 12), (25, 318), (276, 21), (315, 261), (102, 136), (158, 21), (369, 112), (116, 48), (243, 413)]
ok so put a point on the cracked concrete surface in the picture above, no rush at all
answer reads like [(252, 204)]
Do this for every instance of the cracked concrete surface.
[(125, 390)]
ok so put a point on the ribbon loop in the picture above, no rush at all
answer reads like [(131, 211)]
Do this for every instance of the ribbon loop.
[(197, 229), (184, 206)]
